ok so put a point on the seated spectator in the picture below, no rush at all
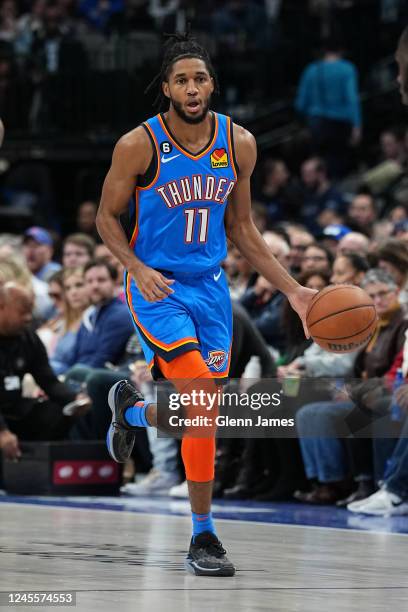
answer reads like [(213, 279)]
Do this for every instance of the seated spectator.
[(76, 301), (22, 352), (8, 21), (401, 231), (324, 455), (355, 242), (85, 220), (393, 146), (393, 257), (319, 194), (244, 273), (259, 215), (398, 213), (77, 250), (264, 303), (300, 239), (349, 268), (105, 330), (14, 268), (362, 213), (279, 195), (49, 331), (102, 252), (278, 243), (318, 258), (284, 466), (331, 236), (390, 454), (38, 251)]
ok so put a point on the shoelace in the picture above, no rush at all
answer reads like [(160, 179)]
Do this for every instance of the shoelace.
[(214, 547)]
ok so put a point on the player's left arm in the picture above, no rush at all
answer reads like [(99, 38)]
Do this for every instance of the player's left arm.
[(243, 233)]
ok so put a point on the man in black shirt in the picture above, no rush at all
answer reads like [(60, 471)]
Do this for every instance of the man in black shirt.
[(22, 352)]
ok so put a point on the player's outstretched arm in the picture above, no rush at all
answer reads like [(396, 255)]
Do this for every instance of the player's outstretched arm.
[(131, 157), (242, 231)]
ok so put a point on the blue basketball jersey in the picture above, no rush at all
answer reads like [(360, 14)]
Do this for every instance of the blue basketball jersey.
[(179, 215)]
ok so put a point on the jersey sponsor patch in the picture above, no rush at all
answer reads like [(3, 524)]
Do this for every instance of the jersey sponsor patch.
[(219, 158), (216, 359)]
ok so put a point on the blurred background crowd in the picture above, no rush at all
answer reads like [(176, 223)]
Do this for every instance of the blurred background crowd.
[(330, 195)]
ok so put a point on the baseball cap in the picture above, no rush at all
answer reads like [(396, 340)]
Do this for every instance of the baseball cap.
[(39, 234), (337, 232)]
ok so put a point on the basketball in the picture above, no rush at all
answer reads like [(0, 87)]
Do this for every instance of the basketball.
[(341, 318)]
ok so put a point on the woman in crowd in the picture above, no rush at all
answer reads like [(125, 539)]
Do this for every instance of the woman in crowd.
[(76, 301), (349, 268)]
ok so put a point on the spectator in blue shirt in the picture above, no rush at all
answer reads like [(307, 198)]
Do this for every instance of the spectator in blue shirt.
[(328, 97), (106, 327)]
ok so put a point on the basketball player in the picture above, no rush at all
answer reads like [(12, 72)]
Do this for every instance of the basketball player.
[(187, 173), (401, 57)]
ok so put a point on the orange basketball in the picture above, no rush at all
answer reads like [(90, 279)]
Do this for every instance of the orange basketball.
[(341, 318)]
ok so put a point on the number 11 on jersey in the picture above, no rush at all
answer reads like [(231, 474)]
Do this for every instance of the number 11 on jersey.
[(191, 214)]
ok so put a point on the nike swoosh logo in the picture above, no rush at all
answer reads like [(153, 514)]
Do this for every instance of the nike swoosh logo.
[(167, 159), (217, 276)]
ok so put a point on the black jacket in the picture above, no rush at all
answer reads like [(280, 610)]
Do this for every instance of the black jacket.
[(20, 355), (247, 342)]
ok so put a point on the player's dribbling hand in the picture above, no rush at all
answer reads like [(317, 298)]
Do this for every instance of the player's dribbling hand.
[(152, 284), (300, 299)]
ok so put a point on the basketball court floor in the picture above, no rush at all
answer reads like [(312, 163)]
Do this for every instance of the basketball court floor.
[(127, 554)]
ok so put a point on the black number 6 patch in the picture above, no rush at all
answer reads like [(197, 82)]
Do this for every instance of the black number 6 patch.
[(166, 147)]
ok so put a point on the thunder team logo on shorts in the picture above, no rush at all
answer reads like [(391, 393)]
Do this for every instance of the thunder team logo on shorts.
[(216, 359), (219, 158)]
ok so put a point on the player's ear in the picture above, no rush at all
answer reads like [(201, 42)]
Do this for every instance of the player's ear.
[(212, 85), (166, 89)]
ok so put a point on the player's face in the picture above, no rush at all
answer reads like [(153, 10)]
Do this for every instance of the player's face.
[(402, 62), (189, 88)]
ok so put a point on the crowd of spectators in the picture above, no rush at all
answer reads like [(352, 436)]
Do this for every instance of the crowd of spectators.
[(57, 57), (63, 298), (65, 332)]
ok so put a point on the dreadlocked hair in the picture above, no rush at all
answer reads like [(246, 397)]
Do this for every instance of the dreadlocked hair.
[(179, 46)]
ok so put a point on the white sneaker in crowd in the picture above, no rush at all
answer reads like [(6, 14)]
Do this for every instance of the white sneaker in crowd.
[(154, 483), (180, 490), (381, 503)]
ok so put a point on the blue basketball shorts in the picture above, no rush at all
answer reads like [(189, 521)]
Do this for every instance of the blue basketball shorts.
[(197, 316)]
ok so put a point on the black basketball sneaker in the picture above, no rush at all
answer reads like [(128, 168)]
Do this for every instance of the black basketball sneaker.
[(207, 557), (121, 436)]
